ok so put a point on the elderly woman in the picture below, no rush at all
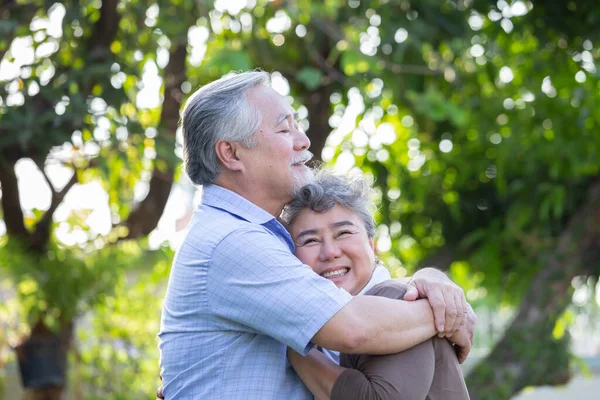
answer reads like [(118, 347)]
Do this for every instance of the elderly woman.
[(333, 230)]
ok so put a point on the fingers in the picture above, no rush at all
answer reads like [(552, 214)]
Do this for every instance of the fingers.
[(462, 345), (438, 305), (412, 293), (447, 301), (457, 309), (465, 307), (471, 322), (462, 352), (452, 322)]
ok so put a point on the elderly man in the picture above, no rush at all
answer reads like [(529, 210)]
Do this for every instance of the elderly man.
[(237, 296)]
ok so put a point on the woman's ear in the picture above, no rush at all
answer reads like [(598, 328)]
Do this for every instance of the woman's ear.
[(372, 243), (227, 154)]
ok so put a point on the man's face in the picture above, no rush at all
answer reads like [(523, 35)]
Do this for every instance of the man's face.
[(276, 166)]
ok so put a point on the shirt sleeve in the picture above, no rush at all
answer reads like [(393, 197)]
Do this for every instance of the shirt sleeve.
[(256, 284)]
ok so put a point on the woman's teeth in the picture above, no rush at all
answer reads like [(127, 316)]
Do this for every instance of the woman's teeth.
[(335, 274)]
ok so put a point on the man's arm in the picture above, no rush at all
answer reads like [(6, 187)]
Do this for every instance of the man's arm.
[(276, 295), (377, 325)]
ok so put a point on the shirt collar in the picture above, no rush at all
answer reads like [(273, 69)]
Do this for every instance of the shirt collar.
[(218, 197)]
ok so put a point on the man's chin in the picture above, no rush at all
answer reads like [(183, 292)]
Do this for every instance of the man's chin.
[(302, 177), (309, 175)]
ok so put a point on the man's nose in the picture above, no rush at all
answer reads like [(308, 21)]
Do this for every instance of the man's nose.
[(302, 142)]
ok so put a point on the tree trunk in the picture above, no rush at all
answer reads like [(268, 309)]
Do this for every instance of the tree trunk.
[(528, 354), (10, 203), (144, 218), (319, 110), (319, 105)]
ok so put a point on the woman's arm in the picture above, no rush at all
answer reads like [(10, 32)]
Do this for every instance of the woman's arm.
[(317, 371), (430, 368), (405, 375), (408, 374)]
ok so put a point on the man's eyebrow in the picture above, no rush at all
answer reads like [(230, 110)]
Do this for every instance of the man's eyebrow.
[(284, 116)]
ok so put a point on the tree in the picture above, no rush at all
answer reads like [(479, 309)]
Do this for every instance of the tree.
[(478, 121), (78, 88), (452, 95)]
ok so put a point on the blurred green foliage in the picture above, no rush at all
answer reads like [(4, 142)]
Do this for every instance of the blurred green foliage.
[(478, 121)]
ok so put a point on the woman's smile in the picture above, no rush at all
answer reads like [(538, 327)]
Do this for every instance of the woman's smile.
[(336, 273)]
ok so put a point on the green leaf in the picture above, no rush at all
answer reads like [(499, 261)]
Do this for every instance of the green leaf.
[(311, 77)]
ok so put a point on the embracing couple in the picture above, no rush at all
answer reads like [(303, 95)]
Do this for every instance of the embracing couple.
[(276, 292)]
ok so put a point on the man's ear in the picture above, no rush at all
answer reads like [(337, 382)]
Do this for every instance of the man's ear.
[(227, 153)]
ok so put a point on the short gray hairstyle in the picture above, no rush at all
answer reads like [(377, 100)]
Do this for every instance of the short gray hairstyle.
[(218, 111), (353, 192)]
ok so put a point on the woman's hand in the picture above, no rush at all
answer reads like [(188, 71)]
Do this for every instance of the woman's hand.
[(317, 371), (447, 299), (463, 338)]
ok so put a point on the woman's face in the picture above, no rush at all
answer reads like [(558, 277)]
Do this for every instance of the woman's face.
[(335, 245)]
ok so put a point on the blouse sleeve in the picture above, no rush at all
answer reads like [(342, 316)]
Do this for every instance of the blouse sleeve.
[(393, 376)]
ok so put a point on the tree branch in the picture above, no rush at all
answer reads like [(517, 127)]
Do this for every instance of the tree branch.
[(105, 28), (528, 353), (11, 205), (41, 235), (144, 218), (47, 179)]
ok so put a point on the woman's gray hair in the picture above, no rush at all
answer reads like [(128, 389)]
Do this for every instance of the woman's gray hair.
[(218, 111), (353, 192)]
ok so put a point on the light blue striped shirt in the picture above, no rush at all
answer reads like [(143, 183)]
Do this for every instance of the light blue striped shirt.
[(237, 296)]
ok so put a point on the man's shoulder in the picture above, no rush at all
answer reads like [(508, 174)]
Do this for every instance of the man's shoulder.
[(390, 288), (220, 221), (209, 226)]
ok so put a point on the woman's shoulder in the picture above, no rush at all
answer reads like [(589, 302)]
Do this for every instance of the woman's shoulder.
[(390, 288)]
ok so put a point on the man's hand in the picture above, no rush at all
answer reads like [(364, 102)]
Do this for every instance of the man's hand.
[(463, 338), (447, 299), (159, 391)]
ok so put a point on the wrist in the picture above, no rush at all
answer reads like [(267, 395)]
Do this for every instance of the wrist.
[(430, 271)]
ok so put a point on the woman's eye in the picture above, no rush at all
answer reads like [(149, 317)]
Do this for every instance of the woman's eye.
[(309, 241), (342, 233)]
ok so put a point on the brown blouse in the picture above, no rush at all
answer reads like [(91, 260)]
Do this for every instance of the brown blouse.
[(428, 371)]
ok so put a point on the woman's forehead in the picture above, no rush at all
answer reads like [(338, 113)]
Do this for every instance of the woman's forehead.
[(333, 218)]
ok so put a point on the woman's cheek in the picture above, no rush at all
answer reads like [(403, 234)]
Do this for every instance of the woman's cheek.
[(305, 256)]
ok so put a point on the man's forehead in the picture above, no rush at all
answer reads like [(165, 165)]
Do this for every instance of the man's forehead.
[(269, 101)]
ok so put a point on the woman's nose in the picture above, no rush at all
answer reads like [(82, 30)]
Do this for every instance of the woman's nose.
[(329, 251)]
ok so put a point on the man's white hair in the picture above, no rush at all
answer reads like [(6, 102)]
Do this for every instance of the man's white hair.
[(219, 111)]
